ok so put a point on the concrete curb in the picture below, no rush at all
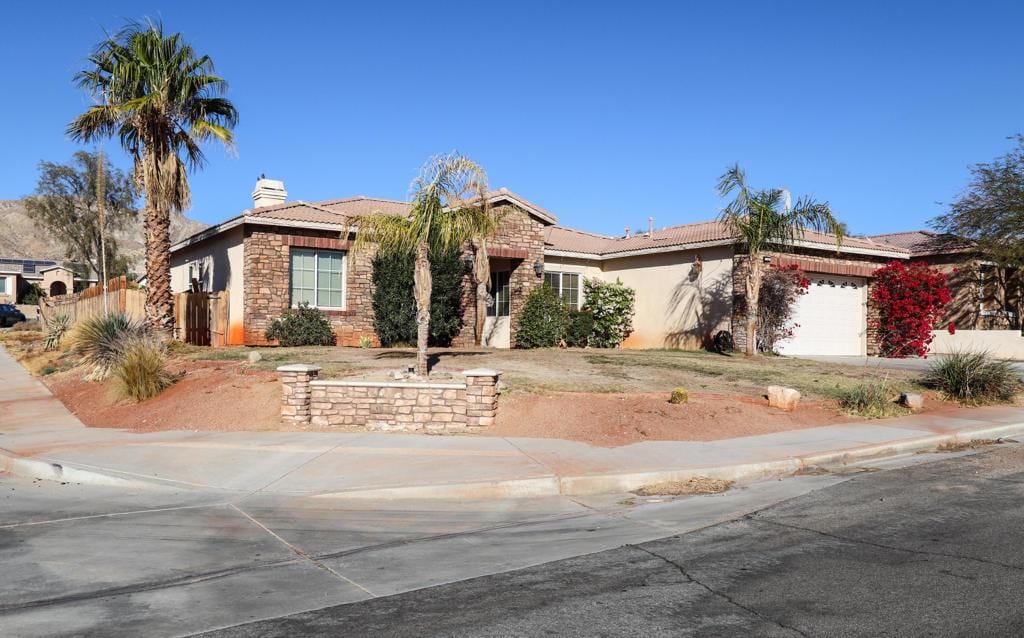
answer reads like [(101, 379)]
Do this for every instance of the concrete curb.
[(25, 467), (579, 485)]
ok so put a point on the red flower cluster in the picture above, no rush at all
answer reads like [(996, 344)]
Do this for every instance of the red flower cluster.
[(910, 301)]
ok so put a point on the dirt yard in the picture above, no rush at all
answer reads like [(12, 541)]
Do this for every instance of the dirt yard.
[(605, 398)]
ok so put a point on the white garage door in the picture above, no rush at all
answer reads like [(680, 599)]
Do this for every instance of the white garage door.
[(830, 318)]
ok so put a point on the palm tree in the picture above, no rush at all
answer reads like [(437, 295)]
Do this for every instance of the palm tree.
[(487, 227), (162, 101), (766, 220), (448, 209)]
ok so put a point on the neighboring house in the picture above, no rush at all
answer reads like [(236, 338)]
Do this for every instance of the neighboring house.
[(54, 277), (688, 279)]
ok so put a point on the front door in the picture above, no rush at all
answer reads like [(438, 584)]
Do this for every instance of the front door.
[(497, 326)]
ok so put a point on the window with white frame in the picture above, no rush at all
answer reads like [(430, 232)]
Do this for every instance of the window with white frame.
[(567, 285), (318, 278), (3, 284)]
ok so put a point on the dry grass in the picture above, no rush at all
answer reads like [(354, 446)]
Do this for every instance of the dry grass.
[(694, 485)]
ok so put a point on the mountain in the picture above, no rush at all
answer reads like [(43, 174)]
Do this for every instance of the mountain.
[(21, 237)]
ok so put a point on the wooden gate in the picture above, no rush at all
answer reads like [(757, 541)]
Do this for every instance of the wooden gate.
[(197, 318), (201, 318)]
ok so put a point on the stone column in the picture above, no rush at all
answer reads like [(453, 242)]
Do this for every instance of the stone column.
[(295, 391), (481, 396)]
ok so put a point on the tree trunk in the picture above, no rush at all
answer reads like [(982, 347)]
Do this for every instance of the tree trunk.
[(482, 275), (753, 281), (159, 304), (422, 287)]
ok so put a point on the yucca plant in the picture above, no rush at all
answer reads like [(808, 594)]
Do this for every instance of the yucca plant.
[(100, 340), (141, 368), (974, 378), (56, 328)]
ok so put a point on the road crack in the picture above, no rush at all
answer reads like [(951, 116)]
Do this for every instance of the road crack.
[(857, 541), (714, 592)]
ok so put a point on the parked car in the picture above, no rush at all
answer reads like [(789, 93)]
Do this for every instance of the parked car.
[(9, 315)]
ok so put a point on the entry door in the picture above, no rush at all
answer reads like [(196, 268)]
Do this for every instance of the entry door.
[(830, 319), (497, 326)]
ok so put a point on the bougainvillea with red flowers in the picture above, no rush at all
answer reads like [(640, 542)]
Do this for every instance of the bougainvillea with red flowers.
[(910, 299), (781, 286)]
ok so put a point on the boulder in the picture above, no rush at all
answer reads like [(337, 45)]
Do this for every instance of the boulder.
[(255, 357), (913, 401), (783, 398)]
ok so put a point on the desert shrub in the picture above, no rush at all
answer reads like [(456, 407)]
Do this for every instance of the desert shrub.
[(910, 300), (141, 368), (99, 341), (679, 396), (304, 326), (31, 294), (611, 305), (394, 307), (722, 343), (781, 286), (543, 319), (31, 325), (365, 342), (973, 378), (56, 328), (578, 328), (873, 399)]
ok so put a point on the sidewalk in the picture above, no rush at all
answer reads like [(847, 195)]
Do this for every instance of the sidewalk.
[(41, 439)]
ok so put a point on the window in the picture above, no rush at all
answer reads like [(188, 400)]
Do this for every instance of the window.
[(500, 291), (567, 285), (318, 278), (3, 285)]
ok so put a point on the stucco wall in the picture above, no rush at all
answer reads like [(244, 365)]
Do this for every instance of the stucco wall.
[(588, 268), (220, 260), (678, 304), (1004, 344)]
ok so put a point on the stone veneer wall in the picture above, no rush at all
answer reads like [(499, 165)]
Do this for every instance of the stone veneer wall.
[(384, 405), (519, 232), (268, 288), (810, 261)]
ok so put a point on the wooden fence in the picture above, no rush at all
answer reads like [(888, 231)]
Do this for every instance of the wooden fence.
[(91, 301)]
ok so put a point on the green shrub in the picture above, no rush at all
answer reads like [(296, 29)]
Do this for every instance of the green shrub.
[(31, 294), (973, 378), (579, 328), (872, 399), (612, 308), (141, 368), (543, 319), (56, 328), (394, 307), (305, 326), (99, 341)]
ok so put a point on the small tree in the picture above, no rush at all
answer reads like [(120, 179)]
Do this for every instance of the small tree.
[(543, 319), (611, 305), (910, 300), (780, 289), (32, 294)]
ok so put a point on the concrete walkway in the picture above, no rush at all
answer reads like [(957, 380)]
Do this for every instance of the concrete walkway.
[(39, 438)]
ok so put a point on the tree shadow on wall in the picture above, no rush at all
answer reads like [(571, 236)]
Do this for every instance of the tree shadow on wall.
[(698, 311)]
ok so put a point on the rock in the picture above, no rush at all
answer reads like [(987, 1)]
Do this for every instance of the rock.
[(679, 396), (255, 357), (913, 401), (783, 398), (397, 375)]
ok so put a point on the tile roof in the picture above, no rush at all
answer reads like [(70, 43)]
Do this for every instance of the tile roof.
[(297, 211), (923, 242), (570, 240), (362, 205)]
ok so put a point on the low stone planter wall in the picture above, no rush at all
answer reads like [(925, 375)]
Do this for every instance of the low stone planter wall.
[(389, 405)]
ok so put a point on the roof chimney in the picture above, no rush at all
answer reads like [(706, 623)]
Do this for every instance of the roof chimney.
[(627, 232), (268, 192), (650, 227)]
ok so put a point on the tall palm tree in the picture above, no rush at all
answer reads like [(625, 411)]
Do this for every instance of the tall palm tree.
[(766, 220), (162, 101), (447, 211)]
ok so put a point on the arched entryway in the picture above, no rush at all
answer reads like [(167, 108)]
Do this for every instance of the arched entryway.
[(58, 288)]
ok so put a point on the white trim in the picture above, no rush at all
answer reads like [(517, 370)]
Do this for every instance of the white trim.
[(207, 233), (316, 270), (521, 204), (561, 285), (717, 242)]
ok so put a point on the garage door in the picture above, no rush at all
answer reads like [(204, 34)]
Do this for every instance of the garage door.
[(830, 318)]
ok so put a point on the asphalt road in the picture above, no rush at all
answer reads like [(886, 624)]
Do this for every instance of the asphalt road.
[(929, 550)]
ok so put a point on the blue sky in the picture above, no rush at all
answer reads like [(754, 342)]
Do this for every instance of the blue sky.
[(603, 113)]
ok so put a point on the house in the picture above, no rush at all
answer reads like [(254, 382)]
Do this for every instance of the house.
[(688, 278), (53, 277)]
